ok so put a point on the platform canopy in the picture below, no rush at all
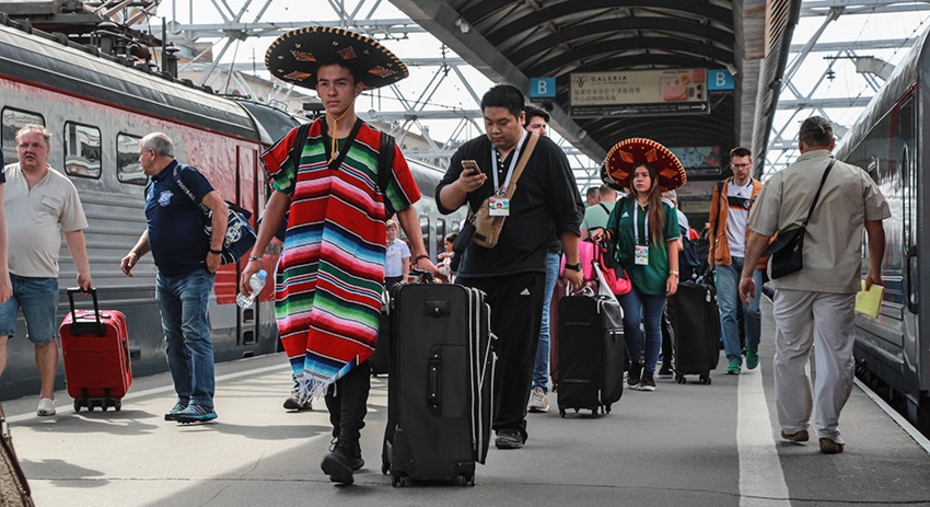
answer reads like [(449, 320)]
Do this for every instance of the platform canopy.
[(516, 40)]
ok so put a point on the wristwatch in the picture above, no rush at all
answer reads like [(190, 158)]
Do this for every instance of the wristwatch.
[(574, 267)]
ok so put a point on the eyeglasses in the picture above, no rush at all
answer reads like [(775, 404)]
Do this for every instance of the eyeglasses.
[(739, 166)]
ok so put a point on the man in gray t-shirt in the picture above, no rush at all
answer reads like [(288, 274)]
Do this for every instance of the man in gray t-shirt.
[(815, 306)]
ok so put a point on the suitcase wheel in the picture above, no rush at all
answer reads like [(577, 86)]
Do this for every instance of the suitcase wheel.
[(118, 405), (680, 379), (561, 412), (705, 379), (77, 406), (400, 480), (468, 480), (606, 409)]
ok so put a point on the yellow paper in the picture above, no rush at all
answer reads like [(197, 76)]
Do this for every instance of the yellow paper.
[(869, 302)]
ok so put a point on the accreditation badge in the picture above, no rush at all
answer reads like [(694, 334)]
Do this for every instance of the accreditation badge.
[(498, 206), (642, 255)]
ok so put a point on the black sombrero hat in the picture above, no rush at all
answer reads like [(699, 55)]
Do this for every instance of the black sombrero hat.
[(294, 56), (626, 154)]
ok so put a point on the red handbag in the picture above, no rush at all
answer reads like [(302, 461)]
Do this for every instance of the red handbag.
[(619, 285)]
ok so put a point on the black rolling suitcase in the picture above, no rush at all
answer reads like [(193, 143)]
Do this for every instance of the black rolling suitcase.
[(592, 353), (697, 331), (380, 360), (440, 384)]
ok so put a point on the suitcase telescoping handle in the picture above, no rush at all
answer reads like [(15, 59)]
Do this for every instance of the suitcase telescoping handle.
[(422, 276), (77, 327)]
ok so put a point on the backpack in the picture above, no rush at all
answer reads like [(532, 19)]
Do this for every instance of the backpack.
[(385, 159), (689, 262)]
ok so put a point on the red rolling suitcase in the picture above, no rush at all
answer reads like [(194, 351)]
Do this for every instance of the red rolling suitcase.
[(95, 345)]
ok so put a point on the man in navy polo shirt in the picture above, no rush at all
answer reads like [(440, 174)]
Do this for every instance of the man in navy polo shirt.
[(187, 261)]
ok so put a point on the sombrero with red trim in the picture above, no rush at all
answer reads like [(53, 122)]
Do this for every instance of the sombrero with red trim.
[(626, 154), (294, 57)]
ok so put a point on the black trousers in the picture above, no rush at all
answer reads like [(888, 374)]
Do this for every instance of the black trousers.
[(516, 311), (347, 402), (668, 335)]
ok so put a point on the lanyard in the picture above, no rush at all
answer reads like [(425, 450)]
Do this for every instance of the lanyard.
[(636, 224), (513, 163)]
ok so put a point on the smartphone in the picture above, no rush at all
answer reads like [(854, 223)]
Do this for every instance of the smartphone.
[(471, 167)]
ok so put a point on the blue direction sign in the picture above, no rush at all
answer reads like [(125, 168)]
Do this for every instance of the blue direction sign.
[(542, 87), (719, 79)]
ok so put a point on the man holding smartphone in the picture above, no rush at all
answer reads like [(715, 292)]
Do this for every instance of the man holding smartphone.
[(513, 273)]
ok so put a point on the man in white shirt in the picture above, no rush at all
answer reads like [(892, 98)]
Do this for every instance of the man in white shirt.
[(729, 215), (397, 257)]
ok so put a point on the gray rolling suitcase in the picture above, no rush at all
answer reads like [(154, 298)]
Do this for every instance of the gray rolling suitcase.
[(440, 384)]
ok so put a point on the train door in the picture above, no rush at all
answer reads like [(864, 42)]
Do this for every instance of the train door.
[(906, 144)]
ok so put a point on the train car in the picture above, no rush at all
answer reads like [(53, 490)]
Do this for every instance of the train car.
[(98, 107), (892, 355)]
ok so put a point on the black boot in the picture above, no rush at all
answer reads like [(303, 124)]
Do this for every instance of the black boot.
[(345, 458)]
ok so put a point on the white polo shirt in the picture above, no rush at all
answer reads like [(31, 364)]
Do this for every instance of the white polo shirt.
[(36, 218)]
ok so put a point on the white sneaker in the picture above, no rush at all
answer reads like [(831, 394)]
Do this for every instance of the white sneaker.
[(539, 402), (46, 407)]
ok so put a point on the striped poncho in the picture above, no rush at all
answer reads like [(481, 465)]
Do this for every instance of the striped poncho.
[(331, 271)]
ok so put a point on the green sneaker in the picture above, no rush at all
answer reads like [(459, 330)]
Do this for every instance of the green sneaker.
[(752, 357), (734, 367)]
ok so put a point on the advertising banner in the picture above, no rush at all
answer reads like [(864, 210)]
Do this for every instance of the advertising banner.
[(639, 93)]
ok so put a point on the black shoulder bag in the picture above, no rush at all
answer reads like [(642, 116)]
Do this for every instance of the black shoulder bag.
[(240, 236), (787, 250)]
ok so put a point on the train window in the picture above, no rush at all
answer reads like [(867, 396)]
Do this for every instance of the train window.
[(82, 150), (128, 168), (11, 120)]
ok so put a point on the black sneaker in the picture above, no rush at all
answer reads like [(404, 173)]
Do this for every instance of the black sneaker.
[(509, 439), (293, 403), (633, 379), (648, 383), (175, 410), (195, 413)]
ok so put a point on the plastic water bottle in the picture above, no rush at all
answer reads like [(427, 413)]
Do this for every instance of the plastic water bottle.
[(256, 282)]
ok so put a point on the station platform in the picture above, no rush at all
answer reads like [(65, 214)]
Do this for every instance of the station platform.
[(695, 445)]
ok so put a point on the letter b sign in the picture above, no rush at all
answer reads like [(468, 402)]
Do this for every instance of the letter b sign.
[(542, 87)]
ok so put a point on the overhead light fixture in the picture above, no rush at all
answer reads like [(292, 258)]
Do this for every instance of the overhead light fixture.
[(463, 25)]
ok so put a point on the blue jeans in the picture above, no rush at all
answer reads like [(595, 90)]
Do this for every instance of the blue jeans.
[(648, 310), (541, 367), (38, 298), (183, 301), (727, 298)]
